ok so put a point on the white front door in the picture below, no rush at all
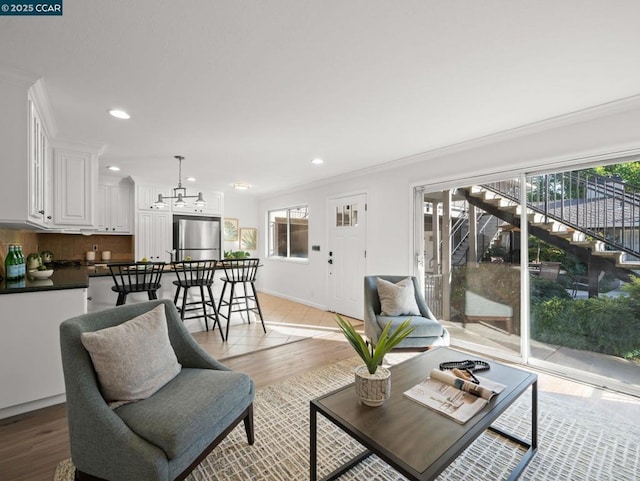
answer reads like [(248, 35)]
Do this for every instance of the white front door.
[(347, 254)]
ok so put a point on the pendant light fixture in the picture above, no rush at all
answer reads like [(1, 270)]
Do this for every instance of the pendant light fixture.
[(179, 193)]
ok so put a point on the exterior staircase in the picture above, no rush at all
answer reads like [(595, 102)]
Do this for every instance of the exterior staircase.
[(596, 219), (488, 227)]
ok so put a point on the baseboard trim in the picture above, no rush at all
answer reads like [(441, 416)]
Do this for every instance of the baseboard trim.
[(32, 406), (294, 299)]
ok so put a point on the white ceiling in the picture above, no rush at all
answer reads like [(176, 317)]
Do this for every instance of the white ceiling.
[(252, 91)]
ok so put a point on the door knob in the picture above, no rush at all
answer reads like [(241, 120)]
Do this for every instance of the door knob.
[(330, 261)]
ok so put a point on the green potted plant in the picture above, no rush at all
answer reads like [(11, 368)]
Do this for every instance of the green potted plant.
[(373, 381)]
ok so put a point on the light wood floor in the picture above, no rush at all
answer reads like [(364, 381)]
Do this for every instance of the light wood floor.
[(299, 338)]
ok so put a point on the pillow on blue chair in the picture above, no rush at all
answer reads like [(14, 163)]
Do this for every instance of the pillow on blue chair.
[(133, 359), (397, 299)]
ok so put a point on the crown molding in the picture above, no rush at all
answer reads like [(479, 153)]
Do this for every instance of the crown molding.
[(92, 147), (39, 95), (17, 76), (580, 116), (565, 120)]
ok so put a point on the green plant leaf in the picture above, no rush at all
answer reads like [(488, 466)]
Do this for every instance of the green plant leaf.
[(373, 356)]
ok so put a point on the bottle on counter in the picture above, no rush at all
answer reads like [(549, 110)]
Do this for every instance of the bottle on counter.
[(22, 262), (12, 265)]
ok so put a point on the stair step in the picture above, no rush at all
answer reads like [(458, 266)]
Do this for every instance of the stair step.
[(594, 245), (500, 203), (544, 225), (570, 235), (629, 265), (614, 255)]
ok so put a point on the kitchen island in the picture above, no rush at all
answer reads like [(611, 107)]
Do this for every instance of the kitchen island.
[(101, 297)]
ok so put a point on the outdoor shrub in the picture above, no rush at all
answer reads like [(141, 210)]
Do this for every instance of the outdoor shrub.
[(606, 325), (545, 289)]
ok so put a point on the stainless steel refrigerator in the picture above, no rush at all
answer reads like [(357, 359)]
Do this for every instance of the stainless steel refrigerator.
[(196, 237)]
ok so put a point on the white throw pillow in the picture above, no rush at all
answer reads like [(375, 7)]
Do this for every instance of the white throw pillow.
[(397, 299), (134, 359)]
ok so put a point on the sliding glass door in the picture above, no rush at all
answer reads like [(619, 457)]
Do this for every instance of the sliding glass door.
[(540, 269), (471, 270)]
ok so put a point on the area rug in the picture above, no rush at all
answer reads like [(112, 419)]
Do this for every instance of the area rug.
[(574, 444)]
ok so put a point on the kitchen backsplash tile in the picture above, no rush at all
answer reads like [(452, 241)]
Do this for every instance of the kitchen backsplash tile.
[(27, 239), (75, 247), (66, 246)]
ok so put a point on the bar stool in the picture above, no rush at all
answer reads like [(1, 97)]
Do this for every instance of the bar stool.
[(198, 275), (240, 271), (136, 277)]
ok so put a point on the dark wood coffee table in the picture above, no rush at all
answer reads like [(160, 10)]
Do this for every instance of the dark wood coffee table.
[(416, 441)]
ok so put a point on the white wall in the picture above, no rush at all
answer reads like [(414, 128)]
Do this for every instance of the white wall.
[(613, 129), (14, 125), (244, 207)]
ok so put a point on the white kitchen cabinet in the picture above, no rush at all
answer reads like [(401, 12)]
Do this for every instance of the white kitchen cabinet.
[(52, 184), (147, 195), (30, 362), (213, 207), (75, 184), (39, 210), (154, 236), (25, 133), (115, 207)]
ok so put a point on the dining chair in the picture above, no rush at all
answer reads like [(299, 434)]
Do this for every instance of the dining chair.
[(136, 277), (240, 272), (199, 276)]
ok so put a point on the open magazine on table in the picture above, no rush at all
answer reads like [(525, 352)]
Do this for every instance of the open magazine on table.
[(452, 396)]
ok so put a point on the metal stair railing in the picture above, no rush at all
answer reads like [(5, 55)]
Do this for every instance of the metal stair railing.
[(604, 208), (483, 220)]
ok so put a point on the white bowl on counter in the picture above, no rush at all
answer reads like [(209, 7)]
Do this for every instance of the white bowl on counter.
[(36, 274)]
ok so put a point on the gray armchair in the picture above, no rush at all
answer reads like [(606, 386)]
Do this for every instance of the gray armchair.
[(428, 331), (164, 436)]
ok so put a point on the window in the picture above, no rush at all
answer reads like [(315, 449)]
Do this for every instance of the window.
[(289, 233)]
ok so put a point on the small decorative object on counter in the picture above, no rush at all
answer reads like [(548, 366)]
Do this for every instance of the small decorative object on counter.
[(42, 273), (34, 261), (106, 255)]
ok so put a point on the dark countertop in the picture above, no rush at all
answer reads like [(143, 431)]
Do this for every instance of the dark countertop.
[(62, 278), (100, 270)]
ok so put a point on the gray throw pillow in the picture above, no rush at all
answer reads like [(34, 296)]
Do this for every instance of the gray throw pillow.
[(397, 299), (133, 359)]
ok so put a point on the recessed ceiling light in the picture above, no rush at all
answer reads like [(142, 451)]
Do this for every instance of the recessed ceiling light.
[(114, 168), (191, 179), (241, 186), (119, 114), (317, 161)]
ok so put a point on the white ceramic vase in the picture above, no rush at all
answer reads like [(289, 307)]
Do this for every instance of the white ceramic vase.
[(373, 389)]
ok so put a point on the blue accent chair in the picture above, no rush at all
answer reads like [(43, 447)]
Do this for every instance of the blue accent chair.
[(428, 331), (164, 436)]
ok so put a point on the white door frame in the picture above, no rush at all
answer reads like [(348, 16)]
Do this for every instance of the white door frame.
[(330, 223)]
